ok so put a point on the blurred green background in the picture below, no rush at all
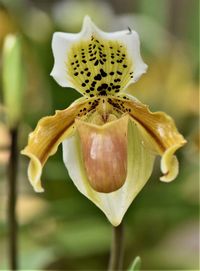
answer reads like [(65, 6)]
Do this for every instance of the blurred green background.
[(61, 229)]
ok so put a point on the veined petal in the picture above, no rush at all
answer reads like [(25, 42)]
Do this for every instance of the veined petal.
[(95, 62), (46, 137), (104, 151), (139, 168), (159, 134)]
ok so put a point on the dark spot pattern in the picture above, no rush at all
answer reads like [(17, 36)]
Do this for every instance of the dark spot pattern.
[(99, 67), (116, 105)]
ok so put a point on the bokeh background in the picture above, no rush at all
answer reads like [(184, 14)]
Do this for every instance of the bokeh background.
[(60, 229)]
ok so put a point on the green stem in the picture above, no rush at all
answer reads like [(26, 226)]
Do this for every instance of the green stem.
[(117, 248), (12, 198)]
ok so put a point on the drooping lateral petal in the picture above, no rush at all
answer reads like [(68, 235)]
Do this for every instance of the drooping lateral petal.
[(159, 133), (95, 62), (46, 137), (139, 168)]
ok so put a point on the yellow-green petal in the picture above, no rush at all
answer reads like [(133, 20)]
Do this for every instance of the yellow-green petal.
[(49, 133), (139, 168), (160, 135)]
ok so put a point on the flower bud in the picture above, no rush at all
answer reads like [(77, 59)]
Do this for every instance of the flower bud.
[(13, 78)]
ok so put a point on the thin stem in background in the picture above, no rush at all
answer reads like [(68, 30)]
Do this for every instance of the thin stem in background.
[(117, 248), (12, 198)]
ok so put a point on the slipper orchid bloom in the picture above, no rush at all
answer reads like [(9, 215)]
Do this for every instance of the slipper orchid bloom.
[(109, 138)]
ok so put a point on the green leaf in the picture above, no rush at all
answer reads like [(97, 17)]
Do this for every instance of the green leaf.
[(136, 264)]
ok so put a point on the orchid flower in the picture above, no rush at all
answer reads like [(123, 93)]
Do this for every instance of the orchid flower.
[(109, 138)]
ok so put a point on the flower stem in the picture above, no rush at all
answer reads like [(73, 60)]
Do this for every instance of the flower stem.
[(117, 248), (12, 197)]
